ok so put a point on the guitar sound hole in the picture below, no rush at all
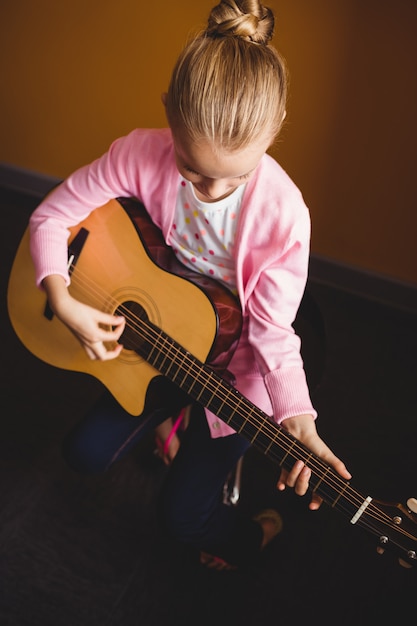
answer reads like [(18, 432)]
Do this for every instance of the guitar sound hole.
[(134, 313)]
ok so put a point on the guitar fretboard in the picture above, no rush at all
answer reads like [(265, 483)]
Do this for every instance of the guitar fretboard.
[(209, 389)]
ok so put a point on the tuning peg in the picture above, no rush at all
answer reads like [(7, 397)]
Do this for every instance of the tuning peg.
[(412, 504), (403, 563)]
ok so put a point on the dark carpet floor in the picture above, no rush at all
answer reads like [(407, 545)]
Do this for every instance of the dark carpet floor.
[(86, 551)]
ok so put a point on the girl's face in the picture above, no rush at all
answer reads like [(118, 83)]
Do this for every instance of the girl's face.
[(215, 173)]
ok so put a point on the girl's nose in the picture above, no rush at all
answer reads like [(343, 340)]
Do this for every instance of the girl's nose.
[(216, 188)]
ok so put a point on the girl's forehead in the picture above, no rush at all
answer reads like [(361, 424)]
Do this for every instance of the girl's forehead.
[(213, 162)]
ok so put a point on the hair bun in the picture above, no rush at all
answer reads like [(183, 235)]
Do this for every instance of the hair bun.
[(246, 19)]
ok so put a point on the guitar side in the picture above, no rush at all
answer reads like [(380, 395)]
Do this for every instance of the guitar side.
[(113, 267)]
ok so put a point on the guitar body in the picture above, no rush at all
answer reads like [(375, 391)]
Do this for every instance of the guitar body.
[(125, 260)]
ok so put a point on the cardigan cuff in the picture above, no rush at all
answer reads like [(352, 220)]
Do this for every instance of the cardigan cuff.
[(289, 393)]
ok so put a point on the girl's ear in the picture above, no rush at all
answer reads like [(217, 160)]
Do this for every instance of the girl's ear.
[(164, 98)]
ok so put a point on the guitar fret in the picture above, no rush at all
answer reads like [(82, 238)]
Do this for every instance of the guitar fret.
[(164, 354), (284, 458), (340, 494), (180, 383), (179, 365), (249, 427), (149, 357), (317, 485), (257, 436), (192, 385), (263, 441), (272, 442), (217, 404)]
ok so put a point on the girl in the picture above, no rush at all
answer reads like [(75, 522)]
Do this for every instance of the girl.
[(228, 210)]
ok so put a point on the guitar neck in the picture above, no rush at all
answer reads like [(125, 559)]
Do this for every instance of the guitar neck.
[(391, 524), (209, 389)]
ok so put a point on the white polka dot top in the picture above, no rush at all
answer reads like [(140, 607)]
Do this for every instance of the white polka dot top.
[(203, 233)]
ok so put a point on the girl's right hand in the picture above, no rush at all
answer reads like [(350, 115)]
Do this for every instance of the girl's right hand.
[(94, 329)]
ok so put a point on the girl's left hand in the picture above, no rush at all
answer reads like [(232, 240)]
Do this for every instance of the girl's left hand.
[(303, 428)]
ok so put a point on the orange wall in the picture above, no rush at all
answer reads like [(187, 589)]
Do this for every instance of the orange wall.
[(77, 74)]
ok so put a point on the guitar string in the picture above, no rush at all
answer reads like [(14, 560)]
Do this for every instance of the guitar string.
[(264, 426)]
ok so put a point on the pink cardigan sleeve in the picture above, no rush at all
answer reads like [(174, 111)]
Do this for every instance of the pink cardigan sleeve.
[(134, 166)]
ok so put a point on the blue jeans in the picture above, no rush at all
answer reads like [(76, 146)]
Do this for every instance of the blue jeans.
[(190, 504)]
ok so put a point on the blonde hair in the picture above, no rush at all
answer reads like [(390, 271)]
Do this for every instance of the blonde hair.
[(229, 85)]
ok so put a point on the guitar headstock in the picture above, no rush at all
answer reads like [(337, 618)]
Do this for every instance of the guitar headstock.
[(395, 525)]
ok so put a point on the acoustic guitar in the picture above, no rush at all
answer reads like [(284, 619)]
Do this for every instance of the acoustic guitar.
[(181, 330)]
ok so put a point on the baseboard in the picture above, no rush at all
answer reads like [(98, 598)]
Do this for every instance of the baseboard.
[(324, 271), (25, 181), (363, 284)]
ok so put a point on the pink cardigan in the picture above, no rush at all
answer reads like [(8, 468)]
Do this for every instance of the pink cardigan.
[(272, 251)]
